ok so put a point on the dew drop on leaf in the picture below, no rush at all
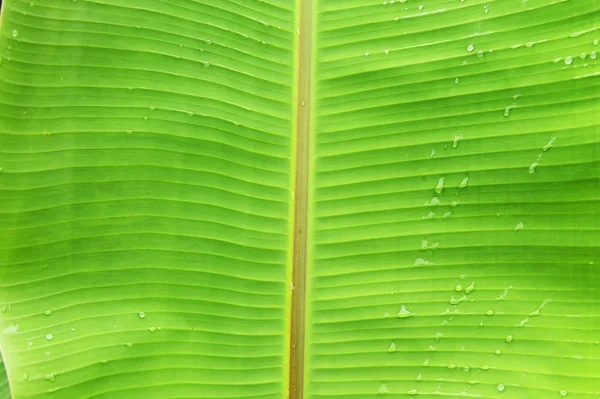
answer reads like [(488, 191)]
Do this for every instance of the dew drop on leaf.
[(440, 185), (403, 313), (519, 226), (383, 390), (470, 288), (392, 348)]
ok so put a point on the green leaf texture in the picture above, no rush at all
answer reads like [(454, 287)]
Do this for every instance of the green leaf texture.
[(455, 200), (145, 150), (4, 387), (147, 159)]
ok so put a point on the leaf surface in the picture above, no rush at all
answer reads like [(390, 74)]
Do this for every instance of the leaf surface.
[(154, 219)]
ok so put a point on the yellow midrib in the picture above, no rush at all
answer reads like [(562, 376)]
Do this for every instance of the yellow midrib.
[(301, 176)]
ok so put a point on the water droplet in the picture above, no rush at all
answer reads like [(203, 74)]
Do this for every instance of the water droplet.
[(49, 336), (437, 336), (430, 215), (456, 140), (142, 314), (470, 287), (595, 42), (464, 182), (128, 131), (532, 168), (421, 262), (190, 113), (456, 80), (151, 329), (563, 392), (367, 54), (72, 328), (480, 53), (470, 47), (456, 301), (5, 308), (383, 390), (568, 60), (386, 51), (489, 312), (440, 185), (485, 367), (458, 288), (501, 387), (481, 323), (582, 55), (427, 362), (507, 110), (48, 312), (519, 226), (404, 313), (152, 108), (15, 33), (538, 311), (505, 293), (497, 352), (392, 348), (433, 202), (523, 322), (50, 377), (509, 338), (452, 366), (549, 144), (454, 203), (419, 377), (129, 344), (412, 392), (25, 377)]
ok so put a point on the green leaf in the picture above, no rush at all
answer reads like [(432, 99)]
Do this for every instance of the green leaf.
[(146, 157), (455, 190), (310, 198)]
